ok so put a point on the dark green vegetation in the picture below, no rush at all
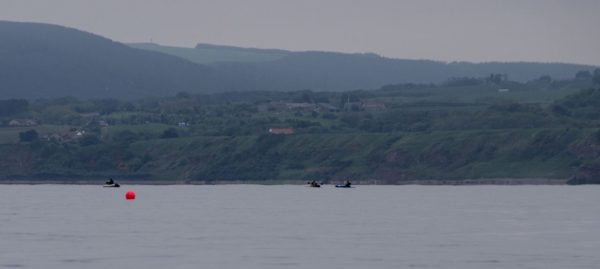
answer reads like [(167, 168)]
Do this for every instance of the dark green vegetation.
[(464, 130), (48, 61), (261, 69)]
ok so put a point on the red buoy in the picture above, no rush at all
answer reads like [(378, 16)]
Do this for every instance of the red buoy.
[(130, 195)]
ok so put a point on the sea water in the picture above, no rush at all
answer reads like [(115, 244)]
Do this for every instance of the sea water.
[(251, 226)]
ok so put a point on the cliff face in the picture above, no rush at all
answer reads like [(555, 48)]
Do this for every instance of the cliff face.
[(456, 157), (588, 151), (15, 160), (586, 174)]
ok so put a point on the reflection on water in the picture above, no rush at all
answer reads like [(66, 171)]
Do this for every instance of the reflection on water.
[(248, 226)]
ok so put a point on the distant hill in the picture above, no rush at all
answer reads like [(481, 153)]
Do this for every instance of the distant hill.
[(210, 54), (47, 61), (261, 69), (41, 60)]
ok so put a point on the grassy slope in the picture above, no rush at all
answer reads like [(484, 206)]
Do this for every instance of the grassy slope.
[(11, 135), (448, 153), (388, 157), (214, 54), (391, 157)]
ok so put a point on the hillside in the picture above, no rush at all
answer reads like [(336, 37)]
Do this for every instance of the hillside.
[(48, 61), (459, 133), (261, 69)]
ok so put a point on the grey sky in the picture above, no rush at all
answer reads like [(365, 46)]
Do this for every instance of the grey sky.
[(471, 30)]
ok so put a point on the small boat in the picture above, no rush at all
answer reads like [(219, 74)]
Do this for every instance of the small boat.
[(111, 184), (314, 184), (346, 184)]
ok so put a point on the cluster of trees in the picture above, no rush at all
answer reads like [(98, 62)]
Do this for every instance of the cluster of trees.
[(13, 106), (235, 114), (583, 105), (28, 136)]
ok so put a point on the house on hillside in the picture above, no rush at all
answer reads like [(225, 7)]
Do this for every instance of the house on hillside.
[(327, 107), (281, 106), (372, 105), (67, 136), (22, 123), (285, 131), (52, 137), (72, 134)]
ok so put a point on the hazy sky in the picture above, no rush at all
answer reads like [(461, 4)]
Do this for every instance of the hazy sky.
[(471, 30)]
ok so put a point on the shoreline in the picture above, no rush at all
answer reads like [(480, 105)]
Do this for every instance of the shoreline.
[(428, 182)]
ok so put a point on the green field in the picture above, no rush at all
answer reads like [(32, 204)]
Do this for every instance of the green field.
[(208, 54)]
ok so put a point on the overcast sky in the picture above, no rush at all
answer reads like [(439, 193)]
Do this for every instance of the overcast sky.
[(449, 30)]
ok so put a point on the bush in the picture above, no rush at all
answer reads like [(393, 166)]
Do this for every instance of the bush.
[(28, 136), (89, 140), (170, 133)]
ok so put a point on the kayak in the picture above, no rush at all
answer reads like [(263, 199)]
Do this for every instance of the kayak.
[(116, 185), (313, 184), (342, 186)]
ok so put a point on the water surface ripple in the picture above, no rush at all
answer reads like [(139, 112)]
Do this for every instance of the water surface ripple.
[(251, 226)]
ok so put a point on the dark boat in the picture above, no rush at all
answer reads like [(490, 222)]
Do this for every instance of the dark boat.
[(111, 184), (314, 184), (346, 184)]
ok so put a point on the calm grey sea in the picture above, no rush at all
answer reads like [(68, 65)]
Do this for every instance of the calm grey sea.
[(249, 226)]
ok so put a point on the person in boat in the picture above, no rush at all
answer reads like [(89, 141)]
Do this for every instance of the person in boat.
[(347, 184), (314, 184), (110, 182)]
